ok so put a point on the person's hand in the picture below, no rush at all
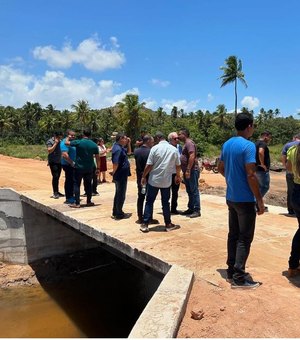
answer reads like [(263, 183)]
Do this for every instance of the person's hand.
[(143, 181), (177, 180), (261, 207), (187, 174)]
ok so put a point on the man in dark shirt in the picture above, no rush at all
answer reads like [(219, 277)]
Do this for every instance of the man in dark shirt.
[(263, 162), (54, 161), (120, 173), (141, 155)]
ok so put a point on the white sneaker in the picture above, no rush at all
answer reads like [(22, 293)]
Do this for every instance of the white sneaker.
[(144, 228)]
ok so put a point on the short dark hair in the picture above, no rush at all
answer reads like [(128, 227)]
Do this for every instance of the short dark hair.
[(87, 132), (120, 135), (159, 135), (185, 131), (146, 138), (243, 120), (266, 133), (58, 133), (297, 135)]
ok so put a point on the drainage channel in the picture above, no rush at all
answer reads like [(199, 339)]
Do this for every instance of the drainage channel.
[(151, 294)]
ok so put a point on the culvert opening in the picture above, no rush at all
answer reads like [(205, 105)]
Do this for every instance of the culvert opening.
[(89, 293)]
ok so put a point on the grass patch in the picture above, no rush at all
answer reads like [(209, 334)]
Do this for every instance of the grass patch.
[(25, 151)]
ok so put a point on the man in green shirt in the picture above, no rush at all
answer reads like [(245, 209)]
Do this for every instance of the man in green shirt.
[(84, 166)]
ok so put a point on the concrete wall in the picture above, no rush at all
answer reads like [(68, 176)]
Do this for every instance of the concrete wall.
[(27, 234), (12, 233)]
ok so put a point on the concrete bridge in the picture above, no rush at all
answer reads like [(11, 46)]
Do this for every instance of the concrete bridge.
[(34, 226)]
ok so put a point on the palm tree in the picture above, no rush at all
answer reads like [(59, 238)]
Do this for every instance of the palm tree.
[(232, 72), (131, 109), (221, 116), (82, 110)]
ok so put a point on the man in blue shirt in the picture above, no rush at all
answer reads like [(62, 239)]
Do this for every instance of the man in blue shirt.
[(237, 164)]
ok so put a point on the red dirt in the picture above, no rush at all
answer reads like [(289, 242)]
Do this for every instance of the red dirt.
[(272, 310)]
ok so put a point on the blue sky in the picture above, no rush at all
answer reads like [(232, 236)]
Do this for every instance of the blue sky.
[(169, 52)]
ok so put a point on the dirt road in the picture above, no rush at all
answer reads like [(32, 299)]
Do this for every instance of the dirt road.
[(272, 310)]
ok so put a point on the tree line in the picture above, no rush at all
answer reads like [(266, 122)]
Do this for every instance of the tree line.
[(33, 124)]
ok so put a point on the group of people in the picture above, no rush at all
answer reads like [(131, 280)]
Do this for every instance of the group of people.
[(80, 159), (160, 160)]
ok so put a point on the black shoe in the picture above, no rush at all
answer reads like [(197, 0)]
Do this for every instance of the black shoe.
[(84, 195), (171, 226), (60, 194), (245, 285), (175, 212), (195, 214), (55, 196), (121, 217), (96, 193), (186, 212)]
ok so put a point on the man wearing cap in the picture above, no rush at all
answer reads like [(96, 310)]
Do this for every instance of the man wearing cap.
[(289, 175), (263, 163), (238, 165)]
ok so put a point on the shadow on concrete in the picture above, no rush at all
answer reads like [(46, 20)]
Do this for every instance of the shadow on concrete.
[(293, 280), (162, 228)]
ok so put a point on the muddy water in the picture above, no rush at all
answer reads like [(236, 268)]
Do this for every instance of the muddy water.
[(100, 296)]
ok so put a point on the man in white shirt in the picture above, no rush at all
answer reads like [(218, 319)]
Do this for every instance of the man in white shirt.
[(161, 161)]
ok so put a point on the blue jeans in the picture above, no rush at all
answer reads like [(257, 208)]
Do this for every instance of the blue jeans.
[(120, 195), (150, 198), (263, 178), (242, 216), (191, 186)]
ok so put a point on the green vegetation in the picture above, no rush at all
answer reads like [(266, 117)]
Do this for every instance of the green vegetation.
[(24, 131)]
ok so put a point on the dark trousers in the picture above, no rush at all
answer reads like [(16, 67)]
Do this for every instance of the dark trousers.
[(69, 180), (242, 216), (295, 251), (87, 176), (290, 186), (94, 181), (174, 190), (150, 199), (55, 171), (120, 195)]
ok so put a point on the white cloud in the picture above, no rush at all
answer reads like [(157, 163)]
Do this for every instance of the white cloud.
[(16, 88), (150, 103), (89, 53), (160, 83), (210, 97), (187, 106), (250, 102)]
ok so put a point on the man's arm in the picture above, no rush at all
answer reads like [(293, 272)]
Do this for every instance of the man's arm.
[(191, 161), (97, 156), (66, 157), (146, 171), (221, 168), (283, 160), (261, 156), (253, 183), (53, 147)]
